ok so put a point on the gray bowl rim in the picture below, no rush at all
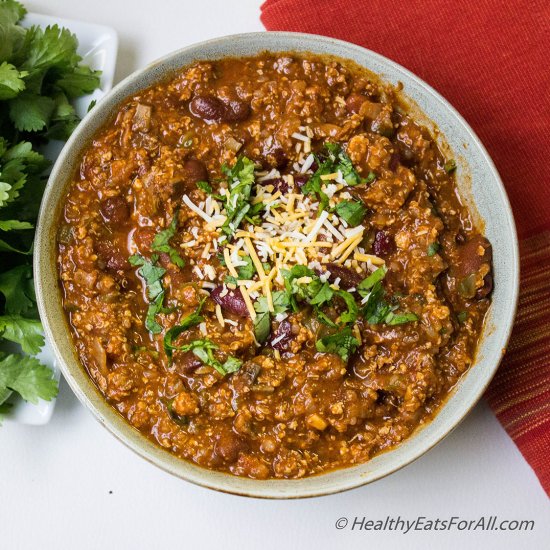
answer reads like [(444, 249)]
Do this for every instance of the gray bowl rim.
[(59, 337)]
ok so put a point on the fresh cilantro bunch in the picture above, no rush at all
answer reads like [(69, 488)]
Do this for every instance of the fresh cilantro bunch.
[(40, 73)]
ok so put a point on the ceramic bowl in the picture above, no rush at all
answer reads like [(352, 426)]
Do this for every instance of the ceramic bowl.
[(479, 184)]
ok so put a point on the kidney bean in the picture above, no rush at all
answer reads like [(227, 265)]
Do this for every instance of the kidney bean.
[(279, 184), (114, 209), (348, 277), (279, 157), (300, 180), (186, 362), (487, 287), (232, 300), (395, 159), (229, 445), (383, 244), (281, 338), (194, 170), (213, 109), (110, 256), (354, 102), (209, 108), (236, 111), (469, 262)]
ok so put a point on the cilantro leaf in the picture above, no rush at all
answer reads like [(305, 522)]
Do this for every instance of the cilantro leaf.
[(155, 307), (240, 179), (366, 284), (78, 81), (334, 160), (161, 243), (11, 34), (248, 270), (188, 322), (48, 48), (31, 112), (450, 166), (8, 225), (353, 212), (23, 331), (205, 186), (39, 71), (343, 164), (350, 315), (262, 322), (342, 343), (375, 309), (204, 350), (11, 81), (17, 288), (400, 319), (433, 248), (314, 185), (28, 377), (152, 275)]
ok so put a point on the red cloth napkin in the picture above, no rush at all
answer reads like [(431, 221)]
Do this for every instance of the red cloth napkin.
[(490, 60)]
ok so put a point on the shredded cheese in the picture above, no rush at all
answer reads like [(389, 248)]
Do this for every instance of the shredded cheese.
[(248, 302), (229, 263), (219, 315)]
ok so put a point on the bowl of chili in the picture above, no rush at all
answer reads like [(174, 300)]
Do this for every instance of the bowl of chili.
[(277, 265)]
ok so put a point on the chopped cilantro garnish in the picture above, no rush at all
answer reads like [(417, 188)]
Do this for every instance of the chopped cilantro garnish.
[(188, 322), (366, 284), (342, 343), (371, 176), (314, 186), (152, 275), (349, 316), (244, 272), (433, 248), (353, 212), (462, 316), (205, 186), (400, 319), (343, 163), (204, 350), (450, 166), (262, 323), (376, 310), (333, 160), (240, 179), (161, 243), (253, 215), (317, 294)]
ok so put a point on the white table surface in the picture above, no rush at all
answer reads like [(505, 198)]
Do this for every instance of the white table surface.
[(70, 484)]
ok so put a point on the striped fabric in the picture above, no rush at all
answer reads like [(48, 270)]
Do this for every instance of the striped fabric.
[(492, 64), (520, 392)]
